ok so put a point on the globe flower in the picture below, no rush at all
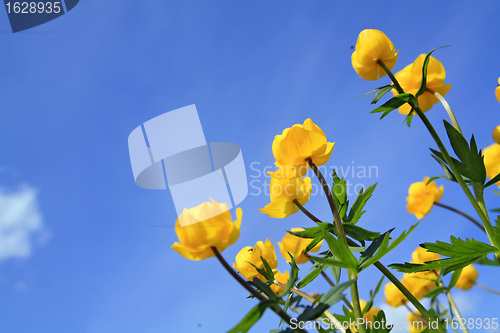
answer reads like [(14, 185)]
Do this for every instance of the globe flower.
[(296, 246), (368, 316), (497, 90), (421, 255), (496, 134), (248, 256), (219, 231), (283, 192), (467, 277), (282, 278), (417, 324), (373, 45), (491, 156), (410, 79), (299, 142), (422, 197)]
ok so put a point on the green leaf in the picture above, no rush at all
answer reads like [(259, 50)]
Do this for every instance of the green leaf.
[(423, 83), (335, 295), (312, 244), (359, 233), (330, 262), (311, 312), (341, 251), (357, 208), (252, 317), (435, 292), (454, 278), (339, 192), (336, 272), (385, 247), (310, 277), (294, 272), (373, 294), (370, 251), (392, 104), (461, 253), (493, 181), (471, 163), (383, 327), (264, 287), (381, 92)]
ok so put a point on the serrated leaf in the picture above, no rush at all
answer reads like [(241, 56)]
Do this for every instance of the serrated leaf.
[(358, 233), (357, 208), (461, 253), (435, 292), (381, 92), (335, 295), (341, 251), (385, 247), (392, 104)]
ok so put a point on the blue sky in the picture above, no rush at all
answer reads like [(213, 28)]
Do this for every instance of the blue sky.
[(87, 255)]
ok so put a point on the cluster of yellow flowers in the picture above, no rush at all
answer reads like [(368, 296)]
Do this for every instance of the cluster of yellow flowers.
[(374, 50), (291, 149), (248, 258), (421, 283)]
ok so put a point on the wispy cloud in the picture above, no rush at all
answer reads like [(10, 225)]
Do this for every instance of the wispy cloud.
[(20, 222)]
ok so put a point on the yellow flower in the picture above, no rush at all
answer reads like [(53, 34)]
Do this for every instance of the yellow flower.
[(299, 142), (196, 240), (497, 90), (248, 256), (283, 192), (467, 277), (418, 284), (417, 324), (280, 277), (373, 45), (496, 134), (421, 255), (422, 197), (410, 78), (295, 246), (492, 160)]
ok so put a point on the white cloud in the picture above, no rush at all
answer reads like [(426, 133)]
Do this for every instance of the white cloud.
[(20, 222)]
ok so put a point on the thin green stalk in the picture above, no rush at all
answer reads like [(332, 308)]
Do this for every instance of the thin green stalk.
[(459, 212), (277, 309), (482, 213), (341, 233), (457, 312)]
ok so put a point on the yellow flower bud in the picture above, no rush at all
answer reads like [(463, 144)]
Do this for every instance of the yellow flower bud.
[(497, 90), (410, 79), (422, 197), (295, 246), (248, 256), (393, 296), (496, 134), (492, 160), (300, 142), (282, 278), (368, 316), (283, 192), (467, 277), (417, 324), (219, 231), (373, 45), (421, 255)]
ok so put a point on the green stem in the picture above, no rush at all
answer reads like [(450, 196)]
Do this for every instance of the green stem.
[(459, 212), (457, 312), (341, 233), (277, 309), (479, 210)]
